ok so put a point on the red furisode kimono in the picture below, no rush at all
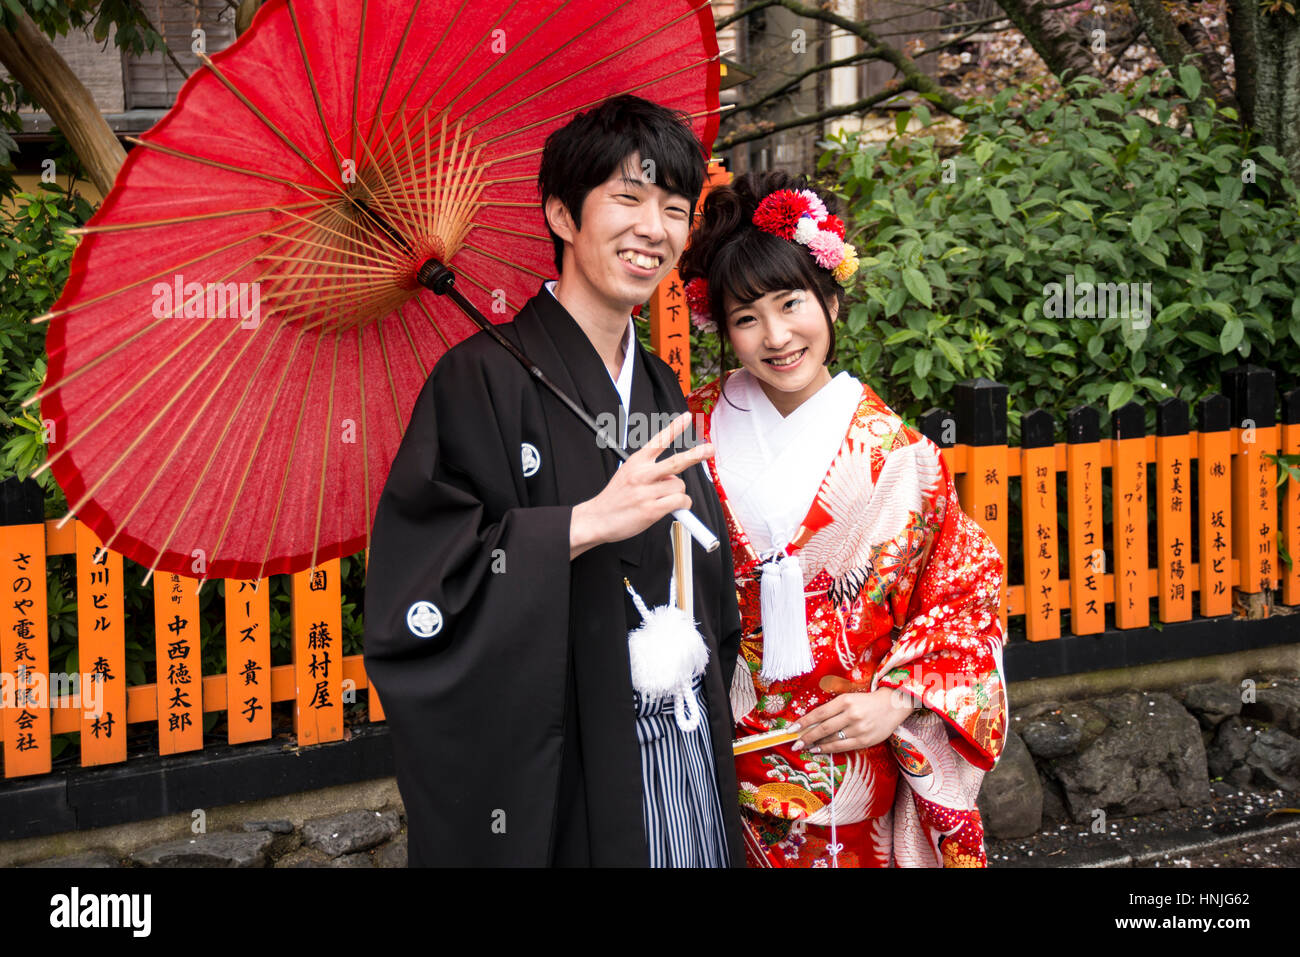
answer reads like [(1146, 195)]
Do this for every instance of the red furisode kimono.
[(901, 590)]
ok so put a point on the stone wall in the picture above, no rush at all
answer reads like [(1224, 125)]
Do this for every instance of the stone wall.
[(1139, 752)]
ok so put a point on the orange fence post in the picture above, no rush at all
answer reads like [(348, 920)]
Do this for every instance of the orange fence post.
[(1252, 392), (1174, 510), (1128, 478), (24, 631), (1214, 516), (248, 660), (1291, 499), (179, 663), (101, 650), (317, 621), (982, 425), (670, 321), (1084, 533), (1038, 526)]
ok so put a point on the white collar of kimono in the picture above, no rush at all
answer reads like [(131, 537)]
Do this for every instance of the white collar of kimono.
[(771, 465), (624, 381)]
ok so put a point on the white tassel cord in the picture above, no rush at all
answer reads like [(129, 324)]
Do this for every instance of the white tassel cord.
[(786, 651), (667, 653)]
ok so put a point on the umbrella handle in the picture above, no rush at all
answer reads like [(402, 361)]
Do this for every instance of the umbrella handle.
[(437, 277)]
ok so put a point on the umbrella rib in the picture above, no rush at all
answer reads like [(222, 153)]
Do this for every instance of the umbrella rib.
[(365, 447), (352, 268), (574, 109), (139, 282), (325, 457), (142, 496), (530, 67), (229, 167), (392, 257), (197, 217), (473, 48), (144, 432), (507, 262), (392, 384), (265, 120), (81, 370), (311, 82), (411, 226), (483, 286), (293, 446), (397, 55), (270, 408), (446, 107), (514, 232), (410, 340), (433, 322), (356, 78), (71, 443), (586, 68)]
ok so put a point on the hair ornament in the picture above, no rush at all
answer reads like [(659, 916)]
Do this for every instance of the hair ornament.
[(800, 216), (697, 303)]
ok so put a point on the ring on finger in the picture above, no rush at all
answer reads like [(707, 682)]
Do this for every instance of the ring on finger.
[(840, 735)]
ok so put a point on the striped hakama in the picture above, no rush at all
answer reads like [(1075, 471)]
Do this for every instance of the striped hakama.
[(679, 794)]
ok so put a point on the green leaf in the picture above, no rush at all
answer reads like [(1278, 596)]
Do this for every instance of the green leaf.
[(1231, 335), (900, 335), (918, 286), (1120, 395), (1191, 236), (1077, 209), (923, 363), (1190, 80), (1140, 228), (952, 355), (1000, 205)]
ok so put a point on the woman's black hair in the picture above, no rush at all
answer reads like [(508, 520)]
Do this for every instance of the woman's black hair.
[(586, 151), (735, 257)]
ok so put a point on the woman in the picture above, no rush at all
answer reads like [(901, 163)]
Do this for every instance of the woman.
[(869, 599)]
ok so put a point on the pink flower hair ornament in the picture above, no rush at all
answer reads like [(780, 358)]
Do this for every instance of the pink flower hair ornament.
[(800, 217)]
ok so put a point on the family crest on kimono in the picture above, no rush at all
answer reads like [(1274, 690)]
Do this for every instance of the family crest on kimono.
[(869, 600)]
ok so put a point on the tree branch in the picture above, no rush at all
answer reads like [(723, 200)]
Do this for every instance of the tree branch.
[(1051, 37), (32, 60), (767, 129)]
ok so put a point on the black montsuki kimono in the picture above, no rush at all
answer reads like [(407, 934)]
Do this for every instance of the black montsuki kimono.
[(513, 724)]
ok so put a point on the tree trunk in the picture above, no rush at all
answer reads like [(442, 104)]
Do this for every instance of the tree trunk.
[(1050, 36), (32, 60), (1174, 42), (1267, 49)]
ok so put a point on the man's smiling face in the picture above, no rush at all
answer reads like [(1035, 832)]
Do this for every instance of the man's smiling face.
[(631, 235)]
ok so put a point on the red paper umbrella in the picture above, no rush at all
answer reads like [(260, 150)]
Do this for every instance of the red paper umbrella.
[(242, 337)]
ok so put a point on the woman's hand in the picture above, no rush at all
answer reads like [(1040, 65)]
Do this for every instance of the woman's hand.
[(866, 718)]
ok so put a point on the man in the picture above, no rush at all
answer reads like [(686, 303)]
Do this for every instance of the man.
[(496, 613)]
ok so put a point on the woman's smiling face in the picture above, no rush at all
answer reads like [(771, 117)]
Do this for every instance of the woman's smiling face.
[(782, 339)]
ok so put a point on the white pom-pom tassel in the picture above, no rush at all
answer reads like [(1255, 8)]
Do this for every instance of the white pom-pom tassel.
[(667, 653), (786, 652)]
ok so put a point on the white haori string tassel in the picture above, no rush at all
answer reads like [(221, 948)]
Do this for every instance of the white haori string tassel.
[(667, 653), (786, 651)]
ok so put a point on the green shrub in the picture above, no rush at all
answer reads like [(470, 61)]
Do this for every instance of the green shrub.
[(1152, 187)]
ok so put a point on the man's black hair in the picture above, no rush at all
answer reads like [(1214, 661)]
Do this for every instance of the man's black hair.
[(586, 151)]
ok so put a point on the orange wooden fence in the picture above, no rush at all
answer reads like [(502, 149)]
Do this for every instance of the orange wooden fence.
[(1232, 526), (318, 680)]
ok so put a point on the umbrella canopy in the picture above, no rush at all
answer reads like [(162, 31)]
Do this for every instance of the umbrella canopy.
[(242, 337)]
